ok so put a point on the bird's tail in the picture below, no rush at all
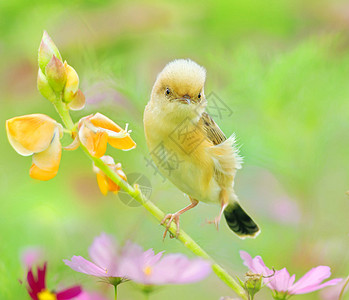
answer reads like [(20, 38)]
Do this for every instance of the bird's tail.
[(240, 222)]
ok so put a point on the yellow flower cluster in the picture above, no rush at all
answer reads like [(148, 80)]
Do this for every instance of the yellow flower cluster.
[(40, 136)]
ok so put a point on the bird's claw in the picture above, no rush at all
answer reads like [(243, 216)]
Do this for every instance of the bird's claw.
[(170, 218), (216, 221)]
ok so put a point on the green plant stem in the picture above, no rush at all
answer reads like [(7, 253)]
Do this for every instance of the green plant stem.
[(343, 289), (116, 292), (154, 210), (63, 111)]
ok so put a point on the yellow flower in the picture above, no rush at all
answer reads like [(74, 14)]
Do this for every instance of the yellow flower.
[(104, 182), (37, 135), (96, 131)]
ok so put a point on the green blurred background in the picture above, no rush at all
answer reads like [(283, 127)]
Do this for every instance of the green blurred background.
[(282, 67)]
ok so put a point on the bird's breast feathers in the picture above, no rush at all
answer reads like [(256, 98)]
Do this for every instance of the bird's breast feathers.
[(184, 154)]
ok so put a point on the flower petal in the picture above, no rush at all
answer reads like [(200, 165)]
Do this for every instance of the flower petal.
[(96, 143), (313, 288), (36, 173), (247, 259), (280, 281), (72, 83), (31, 256), (151, 258), (112, 186), (69, 293), (36, 285), (196, 271), (102, 121), (312, 277), (179, 269), (32, 288), (100, 141), (80, 264), (104, 253), (90, 296), (30, 133), (334, 291), (108, 160), (50, 158), (41, 277), (46, 163), (134, 261), (311, 280), (256, 265), (74, 144), (120, 172), (78, 101), (103, 183), (125, 143)]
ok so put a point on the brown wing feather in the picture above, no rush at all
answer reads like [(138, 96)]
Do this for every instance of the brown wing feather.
[(213, 132)]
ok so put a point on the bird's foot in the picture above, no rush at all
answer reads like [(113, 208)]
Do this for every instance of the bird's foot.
[(215, 221), (169, 218)]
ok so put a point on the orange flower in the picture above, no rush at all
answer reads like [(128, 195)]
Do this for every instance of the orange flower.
[(96, 131), (37, 135), (105, 183)]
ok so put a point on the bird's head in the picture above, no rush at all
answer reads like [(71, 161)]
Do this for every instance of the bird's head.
[(179, 87)]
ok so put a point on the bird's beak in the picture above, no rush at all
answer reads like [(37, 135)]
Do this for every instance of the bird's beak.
[(185, 99)]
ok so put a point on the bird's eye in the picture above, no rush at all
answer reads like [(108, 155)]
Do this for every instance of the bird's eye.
[(167, 91), (199, 96)]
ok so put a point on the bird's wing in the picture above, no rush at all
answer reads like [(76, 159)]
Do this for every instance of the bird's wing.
[(213, 133), (223, 151)]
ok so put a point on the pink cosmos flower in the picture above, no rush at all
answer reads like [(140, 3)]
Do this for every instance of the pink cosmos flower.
[(149, 268), (37, 287), (131, 262), (105, 255), (283, 284)]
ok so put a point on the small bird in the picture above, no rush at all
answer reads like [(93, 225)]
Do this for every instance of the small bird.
[(190, 149)]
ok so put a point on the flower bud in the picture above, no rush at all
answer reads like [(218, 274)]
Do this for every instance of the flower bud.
[(72, 83), (55, 74), (44, 87), (253, 283), (78, 101), (46, 50)]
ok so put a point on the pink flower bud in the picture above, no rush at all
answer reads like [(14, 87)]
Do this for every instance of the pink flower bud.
[(72, 84), (46, 50), (55, 74), (44, 87)]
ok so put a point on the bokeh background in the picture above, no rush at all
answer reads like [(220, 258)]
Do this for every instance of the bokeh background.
[(279, 67)]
